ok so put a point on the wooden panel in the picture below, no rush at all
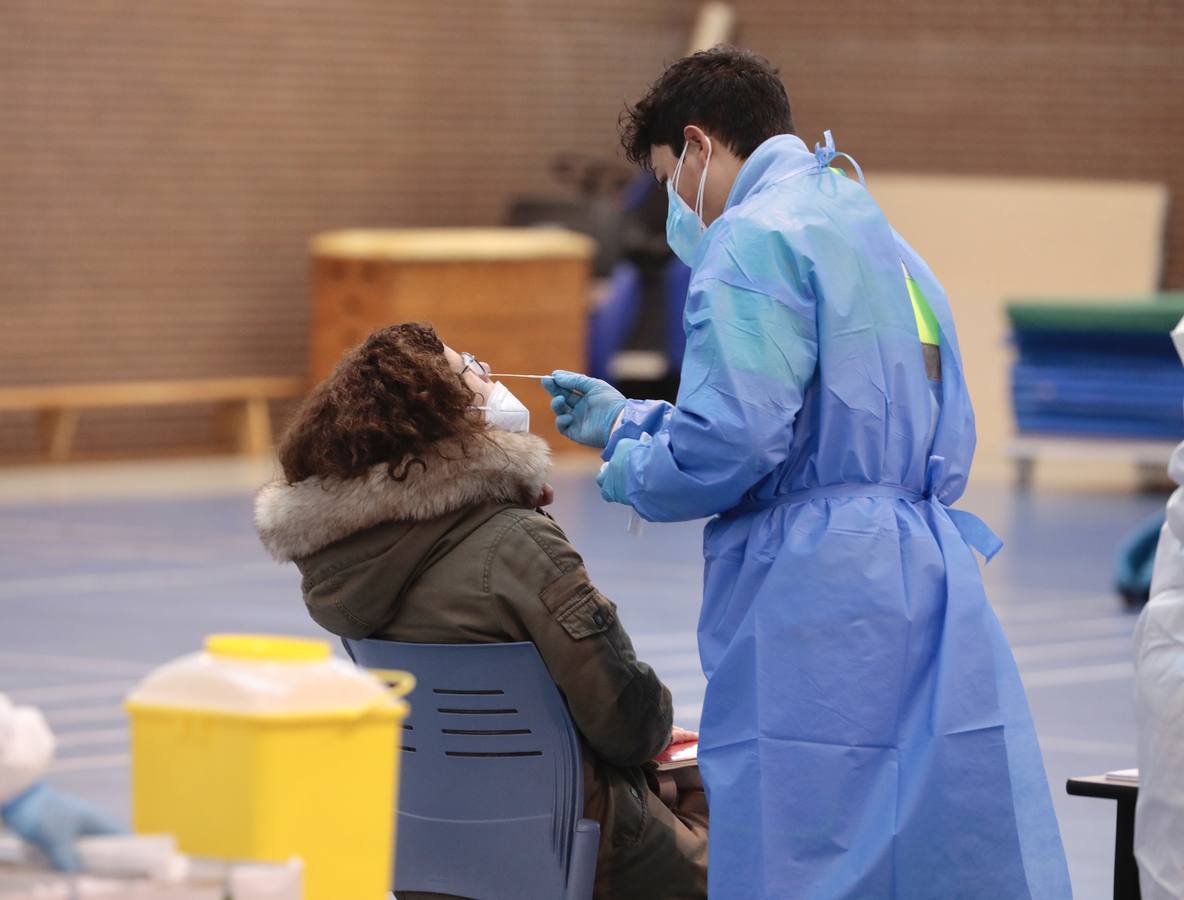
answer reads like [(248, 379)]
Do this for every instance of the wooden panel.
[(519, 316), (993, 239), (348, 303)]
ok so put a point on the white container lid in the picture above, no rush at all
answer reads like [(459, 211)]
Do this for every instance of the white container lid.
[(262, 675)]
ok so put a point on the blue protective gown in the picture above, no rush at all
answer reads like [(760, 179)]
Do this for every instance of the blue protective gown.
[(865, 733)]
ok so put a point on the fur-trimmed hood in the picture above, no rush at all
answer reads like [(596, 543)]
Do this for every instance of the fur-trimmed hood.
[(297, 520)]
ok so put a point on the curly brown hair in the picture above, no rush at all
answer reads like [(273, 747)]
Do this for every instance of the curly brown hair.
[(391, 400)]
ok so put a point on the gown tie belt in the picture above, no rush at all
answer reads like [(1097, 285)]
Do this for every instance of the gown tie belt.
[(974, 531)]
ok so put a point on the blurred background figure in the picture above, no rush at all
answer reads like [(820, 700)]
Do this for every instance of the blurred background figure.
[(205, 206)]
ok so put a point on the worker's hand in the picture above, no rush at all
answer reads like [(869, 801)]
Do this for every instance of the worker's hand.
[(682, 735), (585, 408), (51, 822), (612, 477)]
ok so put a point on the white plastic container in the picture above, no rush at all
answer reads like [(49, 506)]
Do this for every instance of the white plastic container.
[(257, 675)]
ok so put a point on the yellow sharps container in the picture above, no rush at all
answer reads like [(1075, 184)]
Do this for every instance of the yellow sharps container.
[(264, 748)]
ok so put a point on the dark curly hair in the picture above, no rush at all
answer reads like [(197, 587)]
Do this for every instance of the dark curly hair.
[(392, 400), (732, 94)]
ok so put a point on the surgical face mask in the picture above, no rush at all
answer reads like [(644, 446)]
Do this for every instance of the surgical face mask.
[(504, 410), (685, 226)]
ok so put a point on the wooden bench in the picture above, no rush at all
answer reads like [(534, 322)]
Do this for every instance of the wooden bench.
[(246, 401)]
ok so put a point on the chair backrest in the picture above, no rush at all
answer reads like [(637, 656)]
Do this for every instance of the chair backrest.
[(491, 783)]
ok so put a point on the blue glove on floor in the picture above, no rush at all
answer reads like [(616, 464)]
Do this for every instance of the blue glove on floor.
[(52, 821), (585, 408), (612, 474)]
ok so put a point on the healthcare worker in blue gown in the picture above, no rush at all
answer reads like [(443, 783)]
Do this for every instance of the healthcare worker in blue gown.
[(865, 733)]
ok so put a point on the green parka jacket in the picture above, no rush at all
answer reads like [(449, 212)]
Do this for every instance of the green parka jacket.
[(456, 553)]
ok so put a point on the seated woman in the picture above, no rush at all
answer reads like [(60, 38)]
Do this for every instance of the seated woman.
[(410, 503)]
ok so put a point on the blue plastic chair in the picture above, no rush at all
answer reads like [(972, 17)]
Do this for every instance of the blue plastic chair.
[(491, 793)]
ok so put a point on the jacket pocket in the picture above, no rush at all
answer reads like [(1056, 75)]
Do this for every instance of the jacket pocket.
[(591, 614), (630, 814), (577, 606)]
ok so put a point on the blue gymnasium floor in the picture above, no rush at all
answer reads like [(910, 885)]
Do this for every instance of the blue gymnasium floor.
[(95, 594)]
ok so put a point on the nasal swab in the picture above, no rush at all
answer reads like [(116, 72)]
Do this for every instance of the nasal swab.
[(535, 377)]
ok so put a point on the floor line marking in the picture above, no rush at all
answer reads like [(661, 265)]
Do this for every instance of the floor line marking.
[(106, 582), (1101, 627), (91, 737), (76, 691), (666, 640), (1120, 645), (1047, 613), (1114, 749), (1119, 671), (36, 661), (1043, 593), (685, 683), (77, 715), (87, 763)]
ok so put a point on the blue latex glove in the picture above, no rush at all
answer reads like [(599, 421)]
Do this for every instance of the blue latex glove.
[(52, 821), (612, 474), (585, 408)]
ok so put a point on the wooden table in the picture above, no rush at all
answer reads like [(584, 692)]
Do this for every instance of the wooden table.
[(1126, 873)]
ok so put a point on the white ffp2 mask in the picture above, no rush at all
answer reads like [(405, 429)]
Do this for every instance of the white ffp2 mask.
[(504, 410)]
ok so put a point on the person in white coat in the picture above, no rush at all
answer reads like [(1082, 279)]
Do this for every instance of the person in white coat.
[(1159, 704), (44, 817)]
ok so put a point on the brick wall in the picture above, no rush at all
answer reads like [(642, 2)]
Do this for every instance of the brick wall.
[(1092, 88), (162, 164)]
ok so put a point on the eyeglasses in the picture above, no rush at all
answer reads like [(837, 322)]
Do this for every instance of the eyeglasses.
[(480, 369)]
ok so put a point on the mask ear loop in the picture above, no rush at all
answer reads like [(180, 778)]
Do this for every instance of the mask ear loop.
[(678, 167), (485, 407), (702, 186)]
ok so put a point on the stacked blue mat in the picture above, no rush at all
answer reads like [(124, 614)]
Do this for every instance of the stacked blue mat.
[(1101, 368)]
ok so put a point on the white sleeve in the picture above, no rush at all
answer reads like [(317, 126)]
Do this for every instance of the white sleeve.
[(1159, 709), (26, 747)]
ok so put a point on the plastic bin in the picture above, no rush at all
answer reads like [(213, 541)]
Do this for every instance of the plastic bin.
[(264, 748)]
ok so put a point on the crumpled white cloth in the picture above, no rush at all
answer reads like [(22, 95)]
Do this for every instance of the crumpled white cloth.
[(1159, 706), (26, 747)]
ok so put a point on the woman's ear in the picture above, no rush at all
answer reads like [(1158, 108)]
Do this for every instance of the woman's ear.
[(453, 358), (481, 390)]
